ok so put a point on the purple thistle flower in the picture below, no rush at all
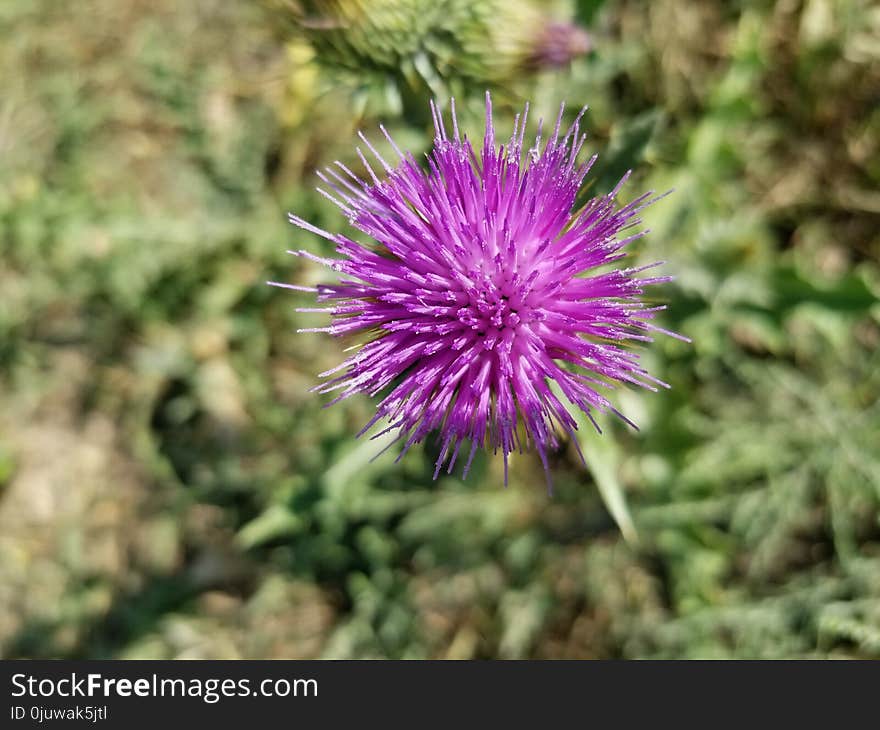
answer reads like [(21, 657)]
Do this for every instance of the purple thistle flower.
[(473, 295)]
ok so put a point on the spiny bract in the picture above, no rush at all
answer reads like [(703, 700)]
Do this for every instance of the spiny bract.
[(473, 294), (434, 42)]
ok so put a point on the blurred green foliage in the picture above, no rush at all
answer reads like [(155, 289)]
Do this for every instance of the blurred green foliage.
[(168, 486)]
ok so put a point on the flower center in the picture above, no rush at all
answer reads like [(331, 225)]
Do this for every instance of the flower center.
[(493, 313)]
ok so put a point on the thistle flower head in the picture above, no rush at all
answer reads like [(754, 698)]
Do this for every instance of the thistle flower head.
[(426, 44), (480, 289)]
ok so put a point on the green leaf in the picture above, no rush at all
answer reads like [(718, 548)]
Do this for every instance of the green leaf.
[(277, 521), (603, 462), (586, 10), (625, 151), (850, 293)]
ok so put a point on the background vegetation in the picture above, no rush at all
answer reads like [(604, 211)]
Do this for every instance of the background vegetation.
[(169, 488)]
